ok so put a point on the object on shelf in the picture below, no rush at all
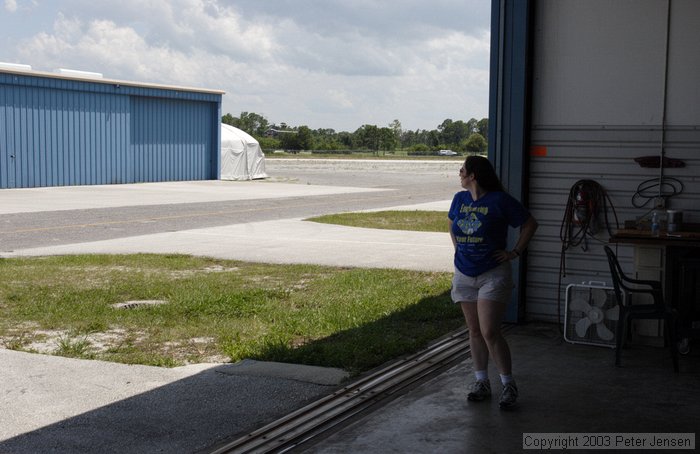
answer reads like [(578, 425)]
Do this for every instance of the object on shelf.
[(652, 162)]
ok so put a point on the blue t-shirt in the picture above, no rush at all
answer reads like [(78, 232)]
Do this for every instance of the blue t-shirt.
[(481, 228)]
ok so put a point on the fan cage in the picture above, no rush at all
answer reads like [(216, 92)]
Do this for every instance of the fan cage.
[(571, 316)]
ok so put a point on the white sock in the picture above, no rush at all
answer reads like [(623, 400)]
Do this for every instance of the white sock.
[(481, 374), (505, 379)]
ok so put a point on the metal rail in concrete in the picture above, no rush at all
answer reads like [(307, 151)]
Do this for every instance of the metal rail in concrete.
[(346, 405)]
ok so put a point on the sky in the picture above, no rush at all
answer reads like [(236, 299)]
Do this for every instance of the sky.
[(336, 64)]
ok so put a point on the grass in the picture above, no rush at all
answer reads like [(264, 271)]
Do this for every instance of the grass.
[(219, 310), (420, 221), (178, 309)]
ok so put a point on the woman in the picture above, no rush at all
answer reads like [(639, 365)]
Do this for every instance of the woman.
[(483, 282)]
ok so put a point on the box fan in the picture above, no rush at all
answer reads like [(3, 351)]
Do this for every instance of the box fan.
[(591, 314)]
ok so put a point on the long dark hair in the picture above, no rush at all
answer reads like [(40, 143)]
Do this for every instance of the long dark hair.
[(483, 172)]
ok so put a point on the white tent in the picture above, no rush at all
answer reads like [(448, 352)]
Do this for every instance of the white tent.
[(241, 155)]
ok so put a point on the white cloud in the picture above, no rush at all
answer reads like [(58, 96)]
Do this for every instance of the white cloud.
[(335, 64), (11, 5), (340, 98)]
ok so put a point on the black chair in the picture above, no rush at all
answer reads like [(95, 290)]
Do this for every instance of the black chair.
[(658, 310)]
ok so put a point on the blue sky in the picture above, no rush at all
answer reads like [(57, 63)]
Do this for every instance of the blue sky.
[(322, 63)]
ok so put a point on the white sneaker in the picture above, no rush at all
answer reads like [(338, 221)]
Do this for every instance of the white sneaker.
[(481, 389), (508, 396)]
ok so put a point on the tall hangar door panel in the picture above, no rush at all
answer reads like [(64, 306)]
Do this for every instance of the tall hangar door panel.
[(59, 137), (172, 140)]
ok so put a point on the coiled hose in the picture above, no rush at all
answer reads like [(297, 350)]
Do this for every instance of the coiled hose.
[(586, 201)]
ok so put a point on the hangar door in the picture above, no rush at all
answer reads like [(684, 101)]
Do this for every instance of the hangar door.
[(51, 137), (172, 140)]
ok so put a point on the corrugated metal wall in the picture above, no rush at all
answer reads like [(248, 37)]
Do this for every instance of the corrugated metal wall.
[(598, 102), (57, 137), (171, 140), (56, 132)]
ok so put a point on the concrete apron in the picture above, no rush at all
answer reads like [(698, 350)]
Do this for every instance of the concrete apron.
[(564, 388)]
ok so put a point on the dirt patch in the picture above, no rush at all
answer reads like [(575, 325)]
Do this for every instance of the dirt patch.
[(93, 345)]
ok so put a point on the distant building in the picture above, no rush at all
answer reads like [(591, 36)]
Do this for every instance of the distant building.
[(277, 132), (77, 128)]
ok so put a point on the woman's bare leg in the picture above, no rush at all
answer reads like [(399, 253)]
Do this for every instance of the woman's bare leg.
[(490, 316), (477, 343)]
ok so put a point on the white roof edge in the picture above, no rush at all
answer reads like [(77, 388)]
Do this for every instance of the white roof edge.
[(15, 66), (83, 78), (77, 73)]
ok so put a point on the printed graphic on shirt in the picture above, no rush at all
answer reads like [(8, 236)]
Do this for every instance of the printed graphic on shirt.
[(469, 224)]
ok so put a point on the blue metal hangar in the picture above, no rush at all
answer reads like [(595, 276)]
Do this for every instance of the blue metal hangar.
[(76, 128)]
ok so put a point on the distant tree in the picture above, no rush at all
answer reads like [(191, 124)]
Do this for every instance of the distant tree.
[(409, 138), (347, 140), (229, 119), (269, 143), (304, 139), (387, 139), (454, 133), (444, 125), (472, 126), (250, 122), (396, 127), (443, 133), (448, 134), (483, 127), (476, 143), (368, 137), (253, 123), (288, 141), (417, 137), (301, 139), (433, 139), (325, 139)]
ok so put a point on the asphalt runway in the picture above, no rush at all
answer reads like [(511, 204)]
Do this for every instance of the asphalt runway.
[(375, 184)]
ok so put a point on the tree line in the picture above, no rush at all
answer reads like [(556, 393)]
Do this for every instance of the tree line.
[(459, 136)]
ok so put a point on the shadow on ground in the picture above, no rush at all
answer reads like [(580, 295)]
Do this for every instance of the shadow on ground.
[(367, 346), (564, 387)]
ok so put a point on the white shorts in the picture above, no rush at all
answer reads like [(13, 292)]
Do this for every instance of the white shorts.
[(494, 285)]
